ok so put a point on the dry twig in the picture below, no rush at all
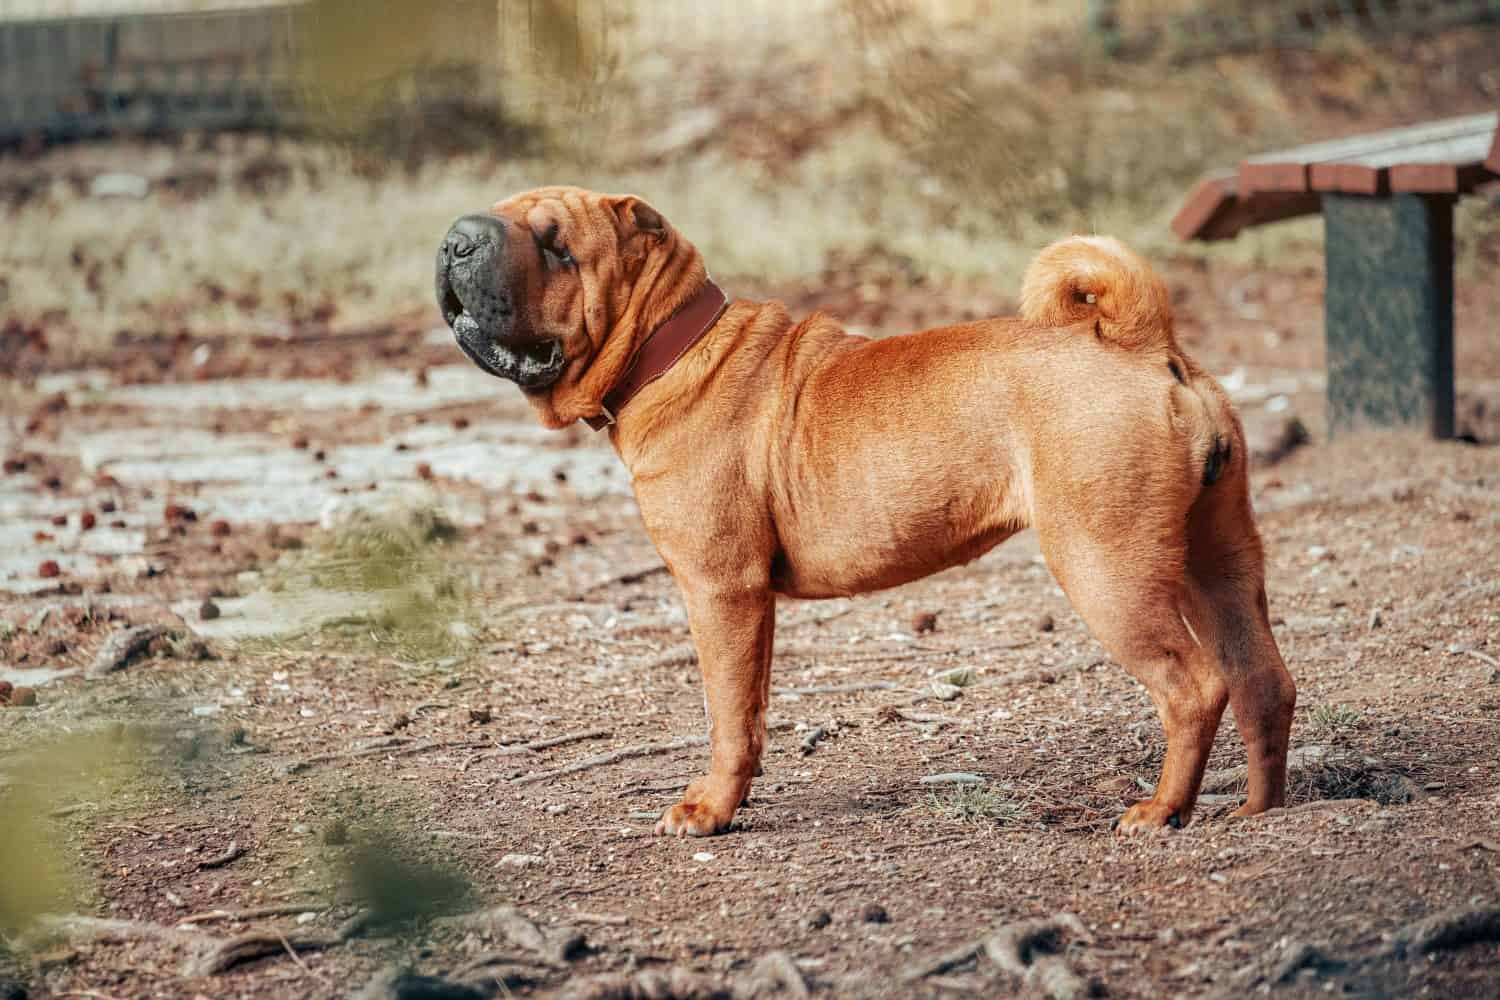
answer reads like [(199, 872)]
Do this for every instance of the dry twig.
[(254, 913), (231, 853), (624, 753)]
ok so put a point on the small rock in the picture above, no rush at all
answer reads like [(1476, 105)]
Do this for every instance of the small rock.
[(924, 623), (122, 647), (480, 716), (118, 184), (943, 691), (336, 833), (22, 697), (87, 520), (178, 512), (59, 520), (703, 856), (1273, 441), (819, 920), (49, 570), (958, 676), (208, 611), (953, 778), (874, 913), (398, 722), (1045, 623), (424, 470), (219, 528), (522, 860), (1375, 620)]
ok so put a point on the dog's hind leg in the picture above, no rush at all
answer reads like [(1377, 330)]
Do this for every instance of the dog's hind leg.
[(1129, 589), (1226, 573)]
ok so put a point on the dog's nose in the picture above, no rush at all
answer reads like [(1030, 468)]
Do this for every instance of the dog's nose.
[(471, 232)]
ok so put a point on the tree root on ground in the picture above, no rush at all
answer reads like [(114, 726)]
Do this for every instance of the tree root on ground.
[(1030, 950)]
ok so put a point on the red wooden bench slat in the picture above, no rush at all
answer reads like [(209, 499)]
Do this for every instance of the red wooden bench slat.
[(1210, 196), (1271, 176), (1444, 157)]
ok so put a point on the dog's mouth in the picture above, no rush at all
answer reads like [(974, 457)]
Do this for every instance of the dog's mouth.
[(531, 365)]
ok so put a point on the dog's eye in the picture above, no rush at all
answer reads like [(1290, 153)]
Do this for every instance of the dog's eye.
[(557, 255)]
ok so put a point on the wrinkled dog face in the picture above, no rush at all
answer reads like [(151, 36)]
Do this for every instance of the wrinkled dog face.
[(534, 289)]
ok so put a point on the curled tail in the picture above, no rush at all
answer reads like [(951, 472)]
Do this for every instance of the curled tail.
[(1100, 280)]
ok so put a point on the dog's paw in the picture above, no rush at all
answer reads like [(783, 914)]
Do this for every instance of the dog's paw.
[(693, 819), (1148, 817)]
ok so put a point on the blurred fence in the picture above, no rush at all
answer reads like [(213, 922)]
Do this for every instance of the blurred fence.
[(110, 68), (79, 68)]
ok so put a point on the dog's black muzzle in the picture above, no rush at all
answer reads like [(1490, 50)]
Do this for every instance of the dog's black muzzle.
[(481, 310)]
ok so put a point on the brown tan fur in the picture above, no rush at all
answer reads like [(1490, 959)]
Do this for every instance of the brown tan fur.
[(788, 457)]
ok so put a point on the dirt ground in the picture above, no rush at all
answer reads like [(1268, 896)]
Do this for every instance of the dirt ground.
[(1382, 584), (413, 686)]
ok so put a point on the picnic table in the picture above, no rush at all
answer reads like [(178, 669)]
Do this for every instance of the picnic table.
[(1387, 204)]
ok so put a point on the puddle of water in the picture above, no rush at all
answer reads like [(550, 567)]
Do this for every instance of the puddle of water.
[(265, 615), (34, 676), (98, 448), (392, 391)]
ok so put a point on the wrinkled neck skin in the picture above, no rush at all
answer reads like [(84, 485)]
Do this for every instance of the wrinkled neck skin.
[(619, 314)]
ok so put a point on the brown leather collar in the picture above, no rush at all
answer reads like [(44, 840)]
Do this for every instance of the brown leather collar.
[(662, 349)]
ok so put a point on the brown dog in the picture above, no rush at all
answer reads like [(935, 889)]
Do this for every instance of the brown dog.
[(778, 456)]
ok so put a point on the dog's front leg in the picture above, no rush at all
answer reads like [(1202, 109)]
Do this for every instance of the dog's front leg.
[(732, 630)]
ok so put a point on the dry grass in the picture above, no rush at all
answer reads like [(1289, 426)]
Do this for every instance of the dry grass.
[(949, 135), (974, 804)]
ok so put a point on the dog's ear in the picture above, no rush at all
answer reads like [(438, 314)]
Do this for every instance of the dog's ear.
[(638, 217)]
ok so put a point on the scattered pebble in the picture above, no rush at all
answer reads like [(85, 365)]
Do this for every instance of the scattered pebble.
[(819, 920), (87, 520), (874, 913), (958, 676), (1375, 619), (219, 529), (924, 623), (424, 470), (208, 611), (399, 721), (178, 512), (480, 716), (703, 856), (1045, 623), (943, 691), (49, 570), (522, 860), (953, 778)]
